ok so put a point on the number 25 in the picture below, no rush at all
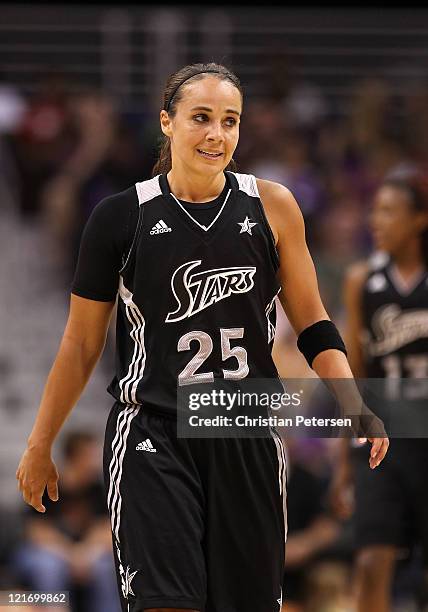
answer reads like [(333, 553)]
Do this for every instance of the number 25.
[(188, 376)]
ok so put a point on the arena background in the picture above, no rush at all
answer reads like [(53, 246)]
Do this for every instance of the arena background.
[(334, 100)]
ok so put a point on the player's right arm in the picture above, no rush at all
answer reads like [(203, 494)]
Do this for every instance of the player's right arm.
[(81, 347), (105, 241), (342, 477)]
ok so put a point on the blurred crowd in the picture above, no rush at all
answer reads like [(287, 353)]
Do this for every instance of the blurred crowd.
[(62, 152)]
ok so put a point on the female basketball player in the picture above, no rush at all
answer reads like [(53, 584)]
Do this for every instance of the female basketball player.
[(387, 305), (197, 254)]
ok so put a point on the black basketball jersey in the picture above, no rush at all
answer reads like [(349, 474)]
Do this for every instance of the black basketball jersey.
[(395, 324), (196, 302)]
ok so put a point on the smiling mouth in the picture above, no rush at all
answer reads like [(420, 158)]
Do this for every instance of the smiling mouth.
[(209, 155)]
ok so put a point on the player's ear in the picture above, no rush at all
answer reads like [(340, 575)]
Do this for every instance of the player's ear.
[(165, 123)]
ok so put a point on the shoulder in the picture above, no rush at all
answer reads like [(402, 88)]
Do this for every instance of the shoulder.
[(356, 276), (281, 208), (118, 202), (115, 210), (276, 194), (363, 272), (110, 221), (148, 190), (268, 191)]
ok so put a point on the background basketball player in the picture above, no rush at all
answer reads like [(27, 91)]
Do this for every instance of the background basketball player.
[(387, 336)]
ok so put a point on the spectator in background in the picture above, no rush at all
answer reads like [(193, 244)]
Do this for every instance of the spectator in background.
[(331, 146), (263, 131), (69, 548), (415, 104), (377, 139), (105, 160), (43, 139), (389, 153), (305, 106), (12, 106), (12, 109), (340, 239), (292, 166), (370, 113)]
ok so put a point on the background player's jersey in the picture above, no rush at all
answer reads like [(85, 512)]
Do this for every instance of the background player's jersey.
[(195, 302), (395, 325)]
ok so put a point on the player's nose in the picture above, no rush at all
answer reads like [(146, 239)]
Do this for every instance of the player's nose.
[(215, 132)]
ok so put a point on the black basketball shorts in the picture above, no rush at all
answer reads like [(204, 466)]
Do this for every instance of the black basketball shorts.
[(391, 501), (197, 523)]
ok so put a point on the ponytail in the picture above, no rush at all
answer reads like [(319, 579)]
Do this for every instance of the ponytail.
[(164, 162)]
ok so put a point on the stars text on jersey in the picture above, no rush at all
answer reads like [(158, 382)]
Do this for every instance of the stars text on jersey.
[(195, 292)]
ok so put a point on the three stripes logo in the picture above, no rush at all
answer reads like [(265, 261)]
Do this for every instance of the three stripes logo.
[(160, 228), (146, 445)]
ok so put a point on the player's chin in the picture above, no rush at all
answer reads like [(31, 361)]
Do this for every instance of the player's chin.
[(213, 167)]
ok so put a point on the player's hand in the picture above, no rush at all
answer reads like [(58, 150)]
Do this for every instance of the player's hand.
[(378, 451), (35, 472), (373, 430), (369, 426)]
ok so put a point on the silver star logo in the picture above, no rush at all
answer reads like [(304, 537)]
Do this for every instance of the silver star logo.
[(126, 586), (246, 226)]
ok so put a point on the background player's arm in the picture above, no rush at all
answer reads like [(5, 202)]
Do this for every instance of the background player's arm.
[(300, 295), (355, 277), (81, 347)]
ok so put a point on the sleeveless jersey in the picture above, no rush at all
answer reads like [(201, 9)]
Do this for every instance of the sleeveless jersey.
[(396, 325), (195, 302)]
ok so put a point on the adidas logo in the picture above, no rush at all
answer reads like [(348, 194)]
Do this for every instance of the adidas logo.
[(146, 445), (160, 228)]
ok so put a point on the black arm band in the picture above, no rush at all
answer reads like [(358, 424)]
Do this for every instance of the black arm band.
[(320, 336)]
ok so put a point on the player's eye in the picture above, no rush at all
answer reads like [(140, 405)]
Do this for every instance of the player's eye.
[(200, 118), (231, 121)]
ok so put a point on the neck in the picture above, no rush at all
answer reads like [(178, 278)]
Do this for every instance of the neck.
[(409, 260), (193, 187)]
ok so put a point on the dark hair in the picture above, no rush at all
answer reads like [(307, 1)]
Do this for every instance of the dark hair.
[(415, 184), (172, 95)]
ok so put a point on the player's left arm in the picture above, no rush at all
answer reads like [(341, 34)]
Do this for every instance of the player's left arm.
[(299, 286), (300, 296)]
